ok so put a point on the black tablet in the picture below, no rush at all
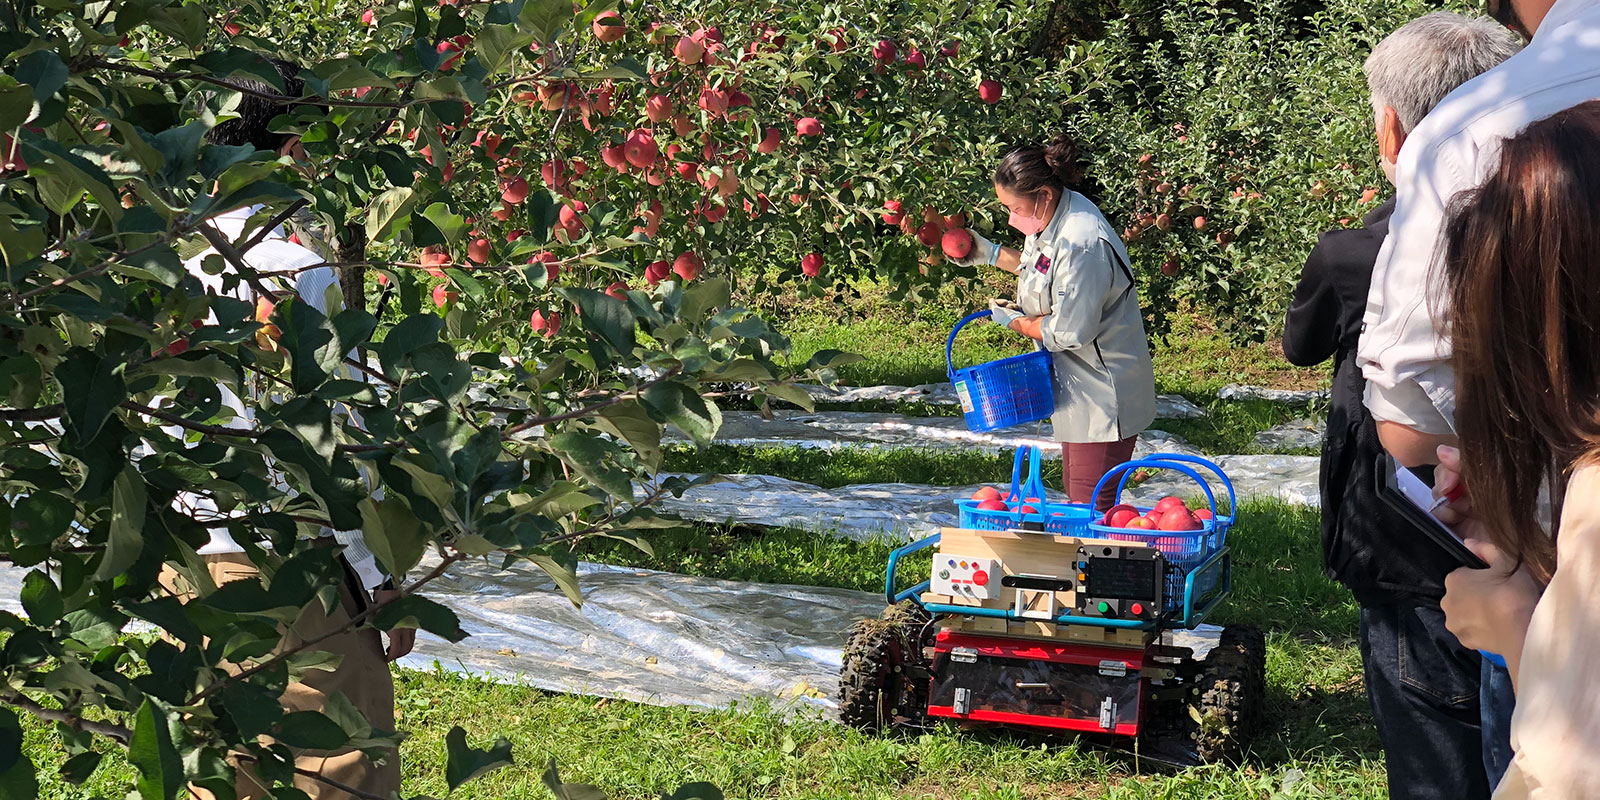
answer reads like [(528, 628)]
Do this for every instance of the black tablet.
[(1412, 498)]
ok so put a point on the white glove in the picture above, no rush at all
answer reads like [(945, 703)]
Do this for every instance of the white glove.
[(983, 252), (1004, 312)]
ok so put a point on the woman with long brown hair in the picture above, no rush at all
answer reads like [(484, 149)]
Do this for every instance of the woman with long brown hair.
[(1522, 267)]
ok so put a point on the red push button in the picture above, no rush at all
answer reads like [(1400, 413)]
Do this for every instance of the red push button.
[(1137, 609), (980, 578)]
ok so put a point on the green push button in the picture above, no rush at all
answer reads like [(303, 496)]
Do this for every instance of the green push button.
[(1105, 608)]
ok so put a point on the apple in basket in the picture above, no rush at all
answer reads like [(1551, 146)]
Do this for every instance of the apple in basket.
[(1118, 516), (986, 493), (1168, 503), (993, 505), (1178, 519), (1027, 510), (1140, 524), (1203, 514)]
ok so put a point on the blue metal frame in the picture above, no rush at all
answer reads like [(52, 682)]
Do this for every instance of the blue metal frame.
[(1192, 616)]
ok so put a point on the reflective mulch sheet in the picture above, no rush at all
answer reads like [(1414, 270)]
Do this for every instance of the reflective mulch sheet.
[(651, 637)]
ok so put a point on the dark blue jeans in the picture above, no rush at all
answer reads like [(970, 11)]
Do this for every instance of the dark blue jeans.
[(1498, 700), (1425, 693)]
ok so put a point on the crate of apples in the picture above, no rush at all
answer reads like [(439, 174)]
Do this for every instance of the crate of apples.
[(1169, 514)]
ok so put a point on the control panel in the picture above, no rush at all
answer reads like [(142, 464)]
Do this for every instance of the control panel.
[(1120, 582), (960, 576)]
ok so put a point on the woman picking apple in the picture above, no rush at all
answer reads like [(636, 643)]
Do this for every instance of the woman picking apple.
[(1076, 297)]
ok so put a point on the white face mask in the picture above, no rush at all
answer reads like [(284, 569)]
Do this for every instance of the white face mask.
[(1028, 224)]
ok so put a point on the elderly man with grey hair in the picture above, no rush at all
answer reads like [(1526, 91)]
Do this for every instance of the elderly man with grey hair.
[(1423, 685)]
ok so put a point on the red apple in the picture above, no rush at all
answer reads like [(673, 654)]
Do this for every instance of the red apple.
[(989, 91), (1140, 524), (1118, 516), (1168, 503), (640, 149), (929, 234), (892, 213), (1178, 519), (770, 142), (478, 251), (658, 107), (442, 296), (993, 505), (1203, 514), (687, 266), (608, 26), (547, 324), (657, 272), (986, 493), (811, 264), (514, 191), (569, 220), (368, 18), (688, 51), (957, 244), (1027, 510), (552, 268), (808, 126), (618, 290), (883, 50)]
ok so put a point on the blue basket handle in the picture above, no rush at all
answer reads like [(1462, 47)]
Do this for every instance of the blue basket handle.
[(1126, 470), (950, 344), (1233, 500), (1016, 473), (1035, 486)]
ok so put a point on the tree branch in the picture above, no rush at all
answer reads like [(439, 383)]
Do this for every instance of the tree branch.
[(267, 229), (236, 433), (30, 414), (587, 410), (106, 729), (100, 63), (17, 299)]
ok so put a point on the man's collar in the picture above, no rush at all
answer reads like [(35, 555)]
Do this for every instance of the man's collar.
[(1563, 12)]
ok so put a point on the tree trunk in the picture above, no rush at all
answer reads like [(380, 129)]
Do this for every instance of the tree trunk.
[(353, 279)]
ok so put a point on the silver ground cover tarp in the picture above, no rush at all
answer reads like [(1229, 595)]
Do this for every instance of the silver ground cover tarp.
[(904, 511), (830, 430), (650, 637)]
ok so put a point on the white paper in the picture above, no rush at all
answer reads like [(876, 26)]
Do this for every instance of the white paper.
[(1420, 496)]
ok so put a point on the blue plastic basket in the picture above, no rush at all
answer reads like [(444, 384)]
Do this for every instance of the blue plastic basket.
[(1061, 519), (1184, 549), (1000, 394)]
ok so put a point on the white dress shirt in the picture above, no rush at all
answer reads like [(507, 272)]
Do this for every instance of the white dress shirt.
[(1454, 149), (318, 288)]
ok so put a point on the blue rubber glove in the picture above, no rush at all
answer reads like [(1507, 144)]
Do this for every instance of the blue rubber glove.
[(1004, 312)]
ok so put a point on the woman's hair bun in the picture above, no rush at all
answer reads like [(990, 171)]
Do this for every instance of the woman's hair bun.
[(1062, 155)]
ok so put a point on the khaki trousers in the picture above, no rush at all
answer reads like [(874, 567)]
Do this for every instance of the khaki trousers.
[(363, 677)]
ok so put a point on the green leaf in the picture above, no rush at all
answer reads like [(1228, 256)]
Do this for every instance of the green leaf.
[(493, 42), (41, 599), (625, 69), (310, 730), (393, 533), (128, 513), (91, 387), (48, 158), (630, 422), (604, 316), (464, 762), (702, 298), (16, 103), (564, 571), (569, 791), (388, 209), (793, 394), (169, 614), (17, 778), (588, 456), (544, 18), (685, 408), (41, 517), (449, 224), (44, 71), (77, 769), (206, 365), (307, 335), (95, 627), (411, 334), (181, 149), (416, 611), (151, 751)]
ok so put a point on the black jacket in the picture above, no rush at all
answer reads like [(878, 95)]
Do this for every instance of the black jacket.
[(1365, 546)]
